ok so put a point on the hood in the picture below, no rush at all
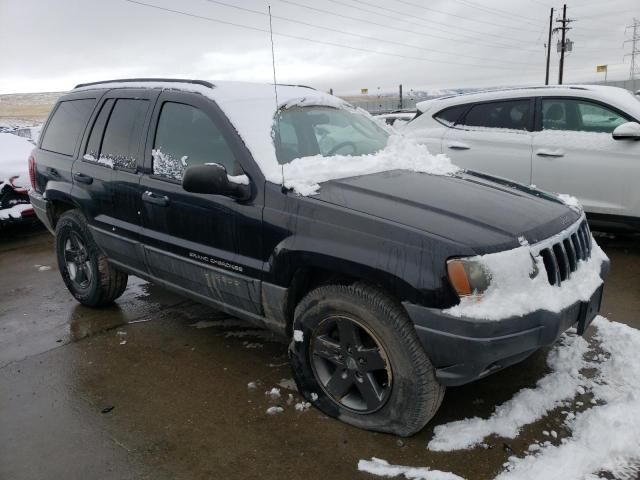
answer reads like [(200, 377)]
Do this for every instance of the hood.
[(487, 214)]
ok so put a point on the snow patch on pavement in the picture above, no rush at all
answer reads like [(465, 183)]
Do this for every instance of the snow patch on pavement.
[(606, 437), (528, 405), (382, 468), (603, 438), (274, 410)]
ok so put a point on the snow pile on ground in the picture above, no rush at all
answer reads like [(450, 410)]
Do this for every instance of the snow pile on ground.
[(565, 360), (14, 158), (304, 174), (382, 468), (604, 438), (273, 393), (512, 292)]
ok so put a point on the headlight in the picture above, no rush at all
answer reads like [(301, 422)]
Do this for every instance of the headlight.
[(468, 277)]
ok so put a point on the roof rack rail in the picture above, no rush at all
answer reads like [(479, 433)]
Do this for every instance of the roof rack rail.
[(127, 80), (294, 85)]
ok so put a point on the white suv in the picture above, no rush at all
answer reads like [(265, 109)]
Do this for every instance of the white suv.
[(581, 140)]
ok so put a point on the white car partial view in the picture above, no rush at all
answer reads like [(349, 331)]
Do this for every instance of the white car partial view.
[(396, 119), (577, 139)]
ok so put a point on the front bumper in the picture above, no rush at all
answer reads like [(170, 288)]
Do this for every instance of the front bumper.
[(463, 350)]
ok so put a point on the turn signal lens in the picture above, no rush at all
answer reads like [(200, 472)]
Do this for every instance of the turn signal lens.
[(468, 277), (458, 277)]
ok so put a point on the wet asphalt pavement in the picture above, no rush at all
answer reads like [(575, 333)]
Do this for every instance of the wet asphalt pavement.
[(137, 390)]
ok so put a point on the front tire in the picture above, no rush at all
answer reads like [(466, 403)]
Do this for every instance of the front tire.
[(84, 268), (356, 356)]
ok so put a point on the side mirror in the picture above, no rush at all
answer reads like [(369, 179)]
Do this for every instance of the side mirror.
[(627, 131), (212, 178)]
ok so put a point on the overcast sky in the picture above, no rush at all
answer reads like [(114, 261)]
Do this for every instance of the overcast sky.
[(51, 45)]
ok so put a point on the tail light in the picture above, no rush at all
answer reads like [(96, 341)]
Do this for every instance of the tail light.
[(32, 171), (17, 188)]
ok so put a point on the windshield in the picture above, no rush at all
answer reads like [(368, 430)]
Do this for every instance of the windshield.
[(327, 131)]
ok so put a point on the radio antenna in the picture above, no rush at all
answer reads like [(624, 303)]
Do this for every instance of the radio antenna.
[(275, 90)]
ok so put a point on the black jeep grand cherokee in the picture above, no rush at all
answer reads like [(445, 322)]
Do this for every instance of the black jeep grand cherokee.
[(181, 183)]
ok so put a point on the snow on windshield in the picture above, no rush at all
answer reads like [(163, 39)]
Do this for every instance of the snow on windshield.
[(305, 174), (252, 108)]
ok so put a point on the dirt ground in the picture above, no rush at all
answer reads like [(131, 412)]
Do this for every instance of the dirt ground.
[(138, 391)]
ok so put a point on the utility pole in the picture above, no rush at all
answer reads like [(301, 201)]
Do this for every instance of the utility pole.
[(635, 48), (400, 104), (546, 78), (563, 42)]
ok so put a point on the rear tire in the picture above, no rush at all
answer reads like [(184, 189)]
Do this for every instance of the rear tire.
[(337, 370), (84, 268)]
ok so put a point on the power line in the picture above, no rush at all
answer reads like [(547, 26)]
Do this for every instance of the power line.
[(321, 42), (428, 21), (357, 35), (495, 11), (377, 24), (452, 15)]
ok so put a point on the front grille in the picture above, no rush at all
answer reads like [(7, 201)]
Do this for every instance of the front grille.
[(561, 253)]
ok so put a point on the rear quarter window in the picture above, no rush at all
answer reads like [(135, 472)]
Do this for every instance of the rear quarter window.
[(450, 116), (66, 126)]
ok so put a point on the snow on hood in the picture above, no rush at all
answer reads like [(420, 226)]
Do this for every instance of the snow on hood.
[(251, 108), (14, 158), (304, 174)]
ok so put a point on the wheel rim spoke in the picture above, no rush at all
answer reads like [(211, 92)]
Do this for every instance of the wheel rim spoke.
[(349, 335), (326, 348), (371, 360), (81, 275), (370, 390), (340, 383)]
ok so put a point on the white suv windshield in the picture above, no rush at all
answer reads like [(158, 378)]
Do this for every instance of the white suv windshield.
[(316, 130)]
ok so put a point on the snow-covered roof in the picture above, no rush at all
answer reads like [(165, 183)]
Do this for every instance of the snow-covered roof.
[(615, 96), (250, 107)]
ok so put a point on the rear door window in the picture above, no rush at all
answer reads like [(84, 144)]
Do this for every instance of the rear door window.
[(187, 136), (66, 126), (124, 133), (512, 115), (92, 152)]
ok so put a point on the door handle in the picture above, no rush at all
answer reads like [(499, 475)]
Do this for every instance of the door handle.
[(160, 200), (543, 152), (82, 178), (458, 146)]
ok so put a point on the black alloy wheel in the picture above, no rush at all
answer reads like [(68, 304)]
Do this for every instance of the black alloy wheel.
[(351, 365), (77, 261)]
